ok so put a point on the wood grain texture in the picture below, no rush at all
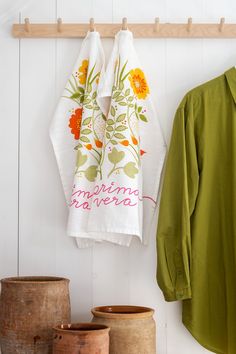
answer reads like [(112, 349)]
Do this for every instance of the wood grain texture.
[(139, 30), (9, 147)]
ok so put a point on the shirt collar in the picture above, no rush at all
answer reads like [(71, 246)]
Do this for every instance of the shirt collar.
[(231, 79)]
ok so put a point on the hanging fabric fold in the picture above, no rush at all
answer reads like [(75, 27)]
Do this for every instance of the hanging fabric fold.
[(120, 147), (133, 153), (77, 130)]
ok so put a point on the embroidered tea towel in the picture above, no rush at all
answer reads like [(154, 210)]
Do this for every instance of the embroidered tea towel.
[(124, 197), (77, 130)]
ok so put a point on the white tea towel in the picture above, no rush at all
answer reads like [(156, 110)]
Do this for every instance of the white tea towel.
[(77, 130), (126, 179)]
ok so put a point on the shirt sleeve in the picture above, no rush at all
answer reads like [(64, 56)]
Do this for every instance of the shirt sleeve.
[(179, 193)]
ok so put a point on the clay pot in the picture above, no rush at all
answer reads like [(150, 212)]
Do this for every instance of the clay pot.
[(81, 338), (133, 328), (29, 308)]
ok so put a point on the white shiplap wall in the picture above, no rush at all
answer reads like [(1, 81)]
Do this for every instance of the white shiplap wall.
[(32, 210)]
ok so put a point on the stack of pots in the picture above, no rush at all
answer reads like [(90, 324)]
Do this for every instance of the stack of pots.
[(35, 319)]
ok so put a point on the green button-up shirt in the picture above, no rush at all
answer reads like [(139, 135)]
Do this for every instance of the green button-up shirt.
[(196, 236)]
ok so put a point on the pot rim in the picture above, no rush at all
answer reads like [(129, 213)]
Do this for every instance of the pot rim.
[(34, 279), (96, 328), (123, 312)]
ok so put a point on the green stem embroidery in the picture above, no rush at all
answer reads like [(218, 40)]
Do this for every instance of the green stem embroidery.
[(114, 169), (94, 78), (137, 158)]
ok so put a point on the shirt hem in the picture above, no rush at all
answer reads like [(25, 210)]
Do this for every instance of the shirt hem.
[(198, 338)]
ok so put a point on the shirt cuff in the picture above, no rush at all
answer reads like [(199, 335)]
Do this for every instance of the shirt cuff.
[(180, 294)]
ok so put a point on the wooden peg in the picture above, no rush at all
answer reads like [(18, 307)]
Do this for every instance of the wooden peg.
[(157, 24), (222, 23), (59, 25), (124, 24), (190, 22), (91, 24), (27, 25)]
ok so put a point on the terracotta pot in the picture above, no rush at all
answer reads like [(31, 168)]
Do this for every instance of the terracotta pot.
[(81, 338), (29, 308), (133, 329)]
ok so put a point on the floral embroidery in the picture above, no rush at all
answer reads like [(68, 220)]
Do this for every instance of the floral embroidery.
[(83, 70), (118, 125), (75, 122), (101, 136), (138, 83)]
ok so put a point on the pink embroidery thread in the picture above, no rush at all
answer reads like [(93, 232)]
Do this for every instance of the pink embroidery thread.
[(107, 200)]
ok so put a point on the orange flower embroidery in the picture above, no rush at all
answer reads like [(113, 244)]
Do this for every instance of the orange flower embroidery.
[(98, 143), (134, 140), (75, 122), (83, 70), (138, 83), (88, 146), (125, 142)]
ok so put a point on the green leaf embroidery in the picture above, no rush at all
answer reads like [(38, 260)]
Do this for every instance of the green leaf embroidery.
[(143, 117), (94, 95), (110, 121), (139, 109), (110, 128), (120, 128), (121, 85), (114, 142), (116, 156), (89, 88), (103, 117), (127, 92), (130, 99), (113, 111), (120, 98), (116, 94), (89, 106), (84, 139), (87, 100), (81, 159), (75, 95), (119, 136), (87, 121), (121, 117), (122, 103), (77, 146), (91, 173), (86, 131), (130, 169), (108, 135)]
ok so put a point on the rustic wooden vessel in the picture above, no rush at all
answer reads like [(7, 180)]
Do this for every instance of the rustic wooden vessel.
[(81, 338), (29, 308), (133, 329)]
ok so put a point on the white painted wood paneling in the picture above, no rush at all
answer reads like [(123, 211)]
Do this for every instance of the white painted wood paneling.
[(9, 107), (31, 82)]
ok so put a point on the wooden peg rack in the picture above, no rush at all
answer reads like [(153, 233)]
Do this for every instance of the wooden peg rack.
[(139, 30)]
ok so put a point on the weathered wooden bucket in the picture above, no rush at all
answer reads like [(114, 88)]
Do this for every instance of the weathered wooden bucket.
[(83, 338), (29, 308), (133, 328)]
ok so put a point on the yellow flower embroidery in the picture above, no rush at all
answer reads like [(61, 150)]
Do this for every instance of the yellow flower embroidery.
[(138, 83), (83, 69)]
